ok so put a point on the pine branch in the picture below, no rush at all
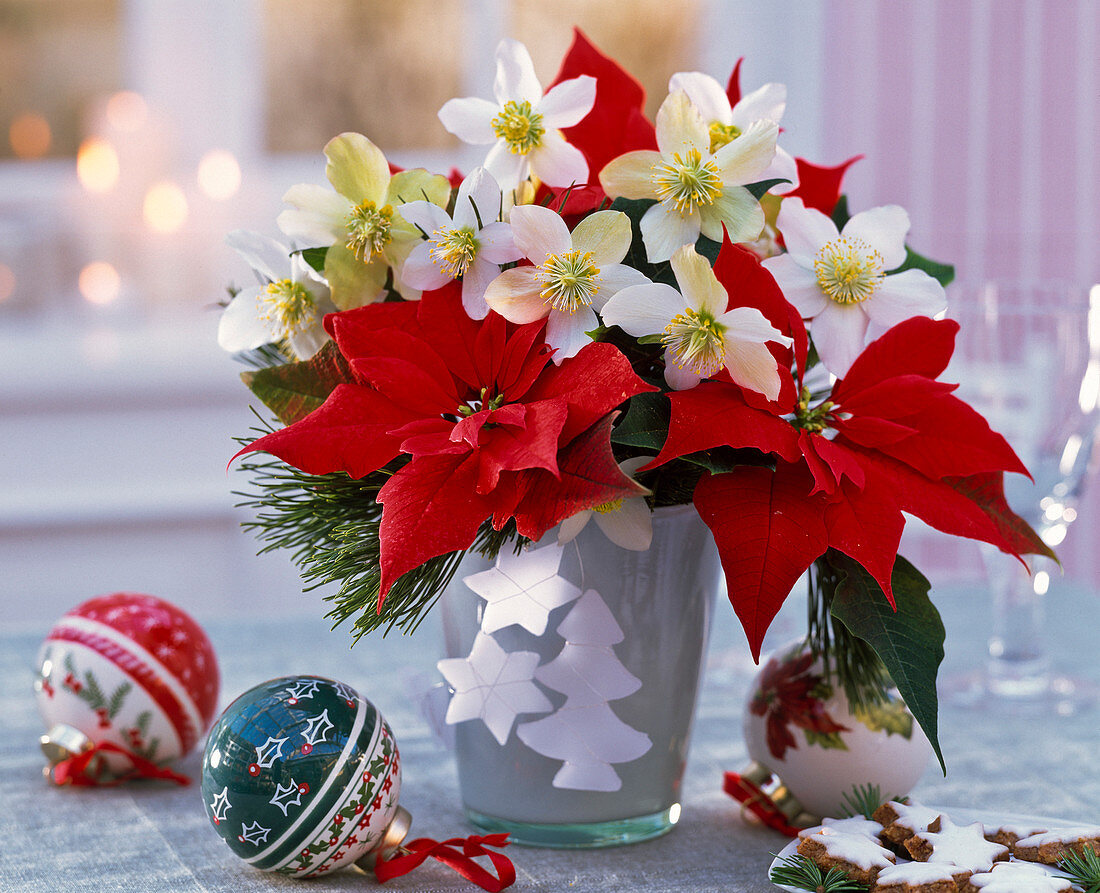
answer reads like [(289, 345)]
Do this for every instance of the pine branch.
[(330, 525), (799, 871), (863, 800), (1082, 869)]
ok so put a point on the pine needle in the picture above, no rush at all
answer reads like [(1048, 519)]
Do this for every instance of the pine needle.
[(862, 800), (1082, 869), (798, 871)]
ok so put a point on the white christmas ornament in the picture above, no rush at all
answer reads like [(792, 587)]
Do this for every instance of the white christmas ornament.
[(494, 686), (523, 589)]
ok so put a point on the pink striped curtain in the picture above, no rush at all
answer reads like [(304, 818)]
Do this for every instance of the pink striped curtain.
[(981, 118)]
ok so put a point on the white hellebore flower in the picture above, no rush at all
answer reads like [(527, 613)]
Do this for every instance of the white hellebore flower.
[(839, 280), (287, 308), (524, 125), (628, 523), (701, 336), (696, 190), (726, 123), (572, 277), (471, 245)]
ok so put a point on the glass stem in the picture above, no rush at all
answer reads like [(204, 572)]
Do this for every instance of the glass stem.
[(1019, 663)]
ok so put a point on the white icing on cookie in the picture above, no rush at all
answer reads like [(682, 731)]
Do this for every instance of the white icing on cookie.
[(913, 816), (857, 849), (916, 873), (962, 845), (1018, 877), (1062, 835)]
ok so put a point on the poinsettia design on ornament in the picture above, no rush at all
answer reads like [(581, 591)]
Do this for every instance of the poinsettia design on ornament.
[(789, 694), (485, 425)]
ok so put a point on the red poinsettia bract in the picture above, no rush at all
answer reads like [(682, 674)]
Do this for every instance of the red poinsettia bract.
[(789, 694), (491, 429), (889, 439)]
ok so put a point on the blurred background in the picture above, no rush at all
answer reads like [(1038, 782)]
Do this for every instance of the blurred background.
[(134, 134)]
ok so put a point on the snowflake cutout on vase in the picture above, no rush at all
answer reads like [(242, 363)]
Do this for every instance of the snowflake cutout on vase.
[(494, 686), (522, 589), (584, 732)]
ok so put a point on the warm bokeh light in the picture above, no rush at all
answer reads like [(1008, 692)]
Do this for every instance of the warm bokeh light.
[(219, 174), (127, 111), (7, 282), (97, 165), (165, 208), (30, 136), (99, 283)]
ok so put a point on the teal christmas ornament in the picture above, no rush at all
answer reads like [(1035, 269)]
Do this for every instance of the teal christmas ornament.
[(301, 775)]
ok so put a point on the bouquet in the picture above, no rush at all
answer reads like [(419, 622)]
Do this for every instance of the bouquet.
[(608, 316)]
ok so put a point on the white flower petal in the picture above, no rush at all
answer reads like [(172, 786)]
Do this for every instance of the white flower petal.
[(516, 79), (643, 309), (306, 340), (884, 229), (242, 325), (568, 103), (558, 163), (515, 295), (753, 366), (630, 526), (573, 525), (478, 201), (798, 284), (677, 378), (614, 278), (736, 210), (421, 271), (749, 324), (705, 92), (470, 119), (805, 230), (783, 167), (838, 332), (356, 168), (567, 331), (665, 230), (631, 175), (539, 232), (507, 168), (267, 257), (498, 245), (905, 294), (745, 159), (606, 234), (478, 276), (680, 126), (426, 216), (698, 284), (769, 101), (317, 216)]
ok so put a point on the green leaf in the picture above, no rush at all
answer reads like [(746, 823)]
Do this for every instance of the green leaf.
[(315, 257), (719, 460), (645, 424), (840, 212), (888, 716), (292, 391), (825, 740), (758, 189), (709, 249), (909, 641), (942, 273)]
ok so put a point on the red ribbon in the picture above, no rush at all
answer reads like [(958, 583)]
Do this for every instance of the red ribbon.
[(758, 803), (411, 854), (74, 770)]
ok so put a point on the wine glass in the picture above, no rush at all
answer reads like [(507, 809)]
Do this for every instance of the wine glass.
[(1028, 359)]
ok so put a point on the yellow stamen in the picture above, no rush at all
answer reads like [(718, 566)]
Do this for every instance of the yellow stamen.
[(687, 182), (605, 508), (454, 250), (849, 270), (697, 341), (519, 126), (289, 304), (570, 280), (368, 229), (721, 134)]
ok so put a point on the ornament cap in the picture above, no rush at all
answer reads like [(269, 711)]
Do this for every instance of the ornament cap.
[(392, 838), (63, 742)]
